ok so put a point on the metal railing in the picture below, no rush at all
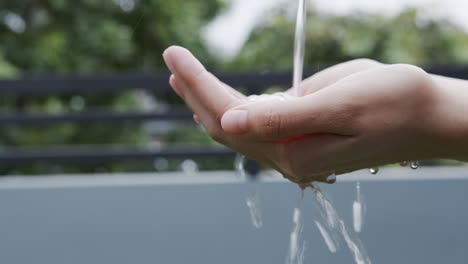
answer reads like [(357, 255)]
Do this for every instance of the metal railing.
[(40, 86)]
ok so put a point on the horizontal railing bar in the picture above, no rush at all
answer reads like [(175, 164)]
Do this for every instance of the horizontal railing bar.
[(158, 82), (181, 114), (96, 155)]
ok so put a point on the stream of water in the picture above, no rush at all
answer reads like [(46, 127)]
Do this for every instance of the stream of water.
[(328, 222)]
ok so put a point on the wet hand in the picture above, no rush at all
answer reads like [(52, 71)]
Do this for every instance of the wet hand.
[(209, 99), (378, 115), (351, 116)]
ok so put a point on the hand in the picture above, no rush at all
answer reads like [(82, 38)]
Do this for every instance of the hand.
[(349, 117), (209, 99)]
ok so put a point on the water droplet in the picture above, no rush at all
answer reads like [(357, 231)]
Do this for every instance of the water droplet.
[(414, 165), (295, 239), (253, 98), (328, 213), (253, 198), (354, 244), (358, 209), (281, 96), (189, 166), (239, 166), (126, 5), (253, 203), (331, 178), (161, 164), (404, 163), (77, 103), (357, 216), (14, 22), (374, 170), (327, 237), (264, 97)]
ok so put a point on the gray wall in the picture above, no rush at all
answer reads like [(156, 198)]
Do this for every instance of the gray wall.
[(406, 222)]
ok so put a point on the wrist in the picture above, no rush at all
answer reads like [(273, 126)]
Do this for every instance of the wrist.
[(451, 117)]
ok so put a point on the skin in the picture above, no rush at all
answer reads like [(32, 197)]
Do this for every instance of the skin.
[(354, 115)]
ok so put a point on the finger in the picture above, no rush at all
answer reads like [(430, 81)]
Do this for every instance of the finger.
[(234, 92), (333, 74), (196, 119), (201, 89), (175, 86), (276, 120), (334, 110)]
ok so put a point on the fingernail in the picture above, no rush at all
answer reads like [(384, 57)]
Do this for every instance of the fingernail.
[(168, 60), (196, 118), (184, 63), (234, 121), (175, 86)]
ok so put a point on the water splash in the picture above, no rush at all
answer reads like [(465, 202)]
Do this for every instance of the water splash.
[(253, 197), (297, 246), (189, 167), (374, 170), (299, 46), (239, 166), (336, 225), (358, 209), (331, 178), (254, 205), (329, 240), (354, 244), (414, 165), (326, 222)]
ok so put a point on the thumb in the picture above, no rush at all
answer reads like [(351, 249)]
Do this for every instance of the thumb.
[(274, 120)]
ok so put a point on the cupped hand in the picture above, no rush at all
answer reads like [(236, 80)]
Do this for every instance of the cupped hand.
[(354, 115)]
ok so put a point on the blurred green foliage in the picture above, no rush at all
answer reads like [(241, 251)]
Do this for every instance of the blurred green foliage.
[(88, 37), (408, 37), (114, 36)]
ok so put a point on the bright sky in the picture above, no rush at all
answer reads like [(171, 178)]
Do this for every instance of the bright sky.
[(227, 34)]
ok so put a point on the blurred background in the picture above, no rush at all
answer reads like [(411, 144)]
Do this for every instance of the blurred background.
[(91, 91), (84, 97)]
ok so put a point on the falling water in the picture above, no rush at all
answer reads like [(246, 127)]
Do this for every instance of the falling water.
[(414, 165), (358, 209), (327, 237), (299, 46), (329, 223), (253, 203), (374, 170), (297, 245), (253, 196), (336, 226), (293, 256)]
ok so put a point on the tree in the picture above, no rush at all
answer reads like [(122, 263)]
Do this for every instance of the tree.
[(331, 39), (87, 37), (405, 38)]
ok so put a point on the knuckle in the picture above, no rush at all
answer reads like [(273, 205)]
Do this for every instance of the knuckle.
[(361, 65), (270, 124), (417, 77), (290, 165), (408, 69), (215, 133), (346, 115), (198, 78), (365, 63)]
